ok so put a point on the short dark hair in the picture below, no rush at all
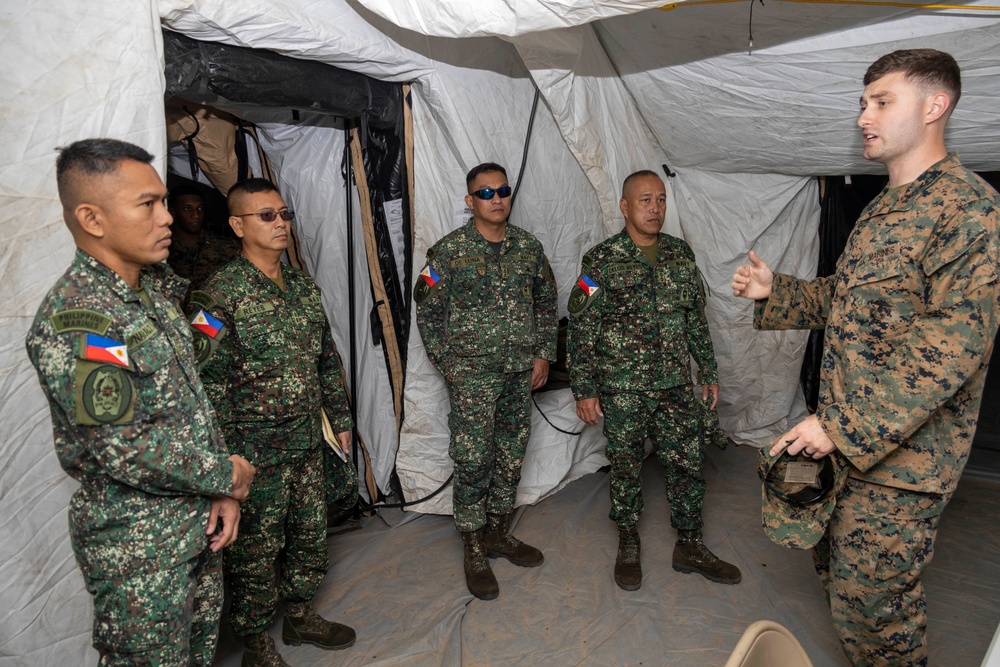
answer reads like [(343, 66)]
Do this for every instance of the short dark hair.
[(637, 174), (183, 190), (483, 168), (249, 187), (928, 67), (92, 157)]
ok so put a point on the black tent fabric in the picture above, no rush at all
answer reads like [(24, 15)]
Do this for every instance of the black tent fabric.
[(267, 79)]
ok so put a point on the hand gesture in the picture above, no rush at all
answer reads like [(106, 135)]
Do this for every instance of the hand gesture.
[(753, 280)]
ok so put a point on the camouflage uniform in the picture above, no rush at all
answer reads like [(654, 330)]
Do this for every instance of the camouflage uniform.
[(630, 343), (198, 261), (140, 436), (483, 322), (275, 366), (910, 316)]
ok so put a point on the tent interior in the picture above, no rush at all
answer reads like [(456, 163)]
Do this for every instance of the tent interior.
[(747, 109)]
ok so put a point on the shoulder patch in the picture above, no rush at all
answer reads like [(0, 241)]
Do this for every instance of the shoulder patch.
[(103, 394), (582, 294), (80, 319), (547, 271), (427, 284), (202, 299)]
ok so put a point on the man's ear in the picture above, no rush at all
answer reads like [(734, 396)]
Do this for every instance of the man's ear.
[(90, 217), (237, 224), (939, 104), (622, 205)]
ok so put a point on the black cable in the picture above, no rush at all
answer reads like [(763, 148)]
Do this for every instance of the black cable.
[(750, 24), (407, 503), (524, 154), (451, 476), (550, 422)]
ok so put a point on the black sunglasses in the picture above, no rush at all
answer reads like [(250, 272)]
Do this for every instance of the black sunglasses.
[(271, 216), (487, 193)]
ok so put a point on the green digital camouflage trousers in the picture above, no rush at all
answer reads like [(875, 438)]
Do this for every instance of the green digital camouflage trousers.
[(341, 480), (164, 618), (490, 423), (282, 544), (870, 562), (671, 419)]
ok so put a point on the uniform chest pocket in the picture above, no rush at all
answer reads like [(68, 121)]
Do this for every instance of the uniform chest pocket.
[(885, 269), (469, 285), (157, 375), (260, 334), (624, 280)]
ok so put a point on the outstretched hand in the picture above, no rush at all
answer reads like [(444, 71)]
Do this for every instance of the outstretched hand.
[(753, 280)]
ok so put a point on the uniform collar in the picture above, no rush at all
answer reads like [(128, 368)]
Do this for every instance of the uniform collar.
[(153, 278), (905, 196)]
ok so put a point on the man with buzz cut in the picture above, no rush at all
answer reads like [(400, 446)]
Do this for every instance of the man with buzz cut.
[(130, 418), (637, 317), (271, 368), (486, 309), (911, 315)]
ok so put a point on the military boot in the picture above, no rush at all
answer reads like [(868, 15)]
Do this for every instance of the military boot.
[(478, 575), (628, 571), (259, 651), (691, 555), (303, 625), (501, 544)]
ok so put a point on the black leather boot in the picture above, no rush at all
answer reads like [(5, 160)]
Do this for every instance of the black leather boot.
[(478, 575), (501, 544), (304, 626), (628, 572), (259, 651), (691, 555)]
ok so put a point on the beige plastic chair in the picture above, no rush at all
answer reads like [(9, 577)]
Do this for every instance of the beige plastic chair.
[(768, 644)]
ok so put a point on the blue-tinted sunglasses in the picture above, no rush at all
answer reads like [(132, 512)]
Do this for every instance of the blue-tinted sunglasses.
[(487, 193)]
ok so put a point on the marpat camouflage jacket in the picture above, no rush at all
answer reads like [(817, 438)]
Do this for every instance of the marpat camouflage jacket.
[(910, 315)]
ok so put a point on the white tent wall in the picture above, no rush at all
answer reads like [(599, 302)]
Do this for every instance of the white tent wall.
[(69, 74), (681, 77)]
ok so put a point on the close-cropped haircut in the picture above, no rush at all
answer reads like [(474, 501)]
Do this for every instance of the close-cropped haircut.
[(93, 157), (183, 190), (930, 68), (634, 175), (248, 187), (483, 168)]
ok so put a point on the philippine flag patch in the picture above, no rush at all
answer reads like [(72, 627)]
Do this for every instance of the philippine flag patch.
[(207, 324), (430, 276), (99, 348), (587, 285)]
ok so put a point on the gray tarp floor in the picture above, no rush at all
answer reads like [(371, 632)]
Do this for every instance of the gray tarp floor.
[(404, 592)]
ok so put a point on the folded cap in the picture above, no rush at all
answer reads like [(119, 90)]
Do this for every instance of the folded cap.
[(798, 495)]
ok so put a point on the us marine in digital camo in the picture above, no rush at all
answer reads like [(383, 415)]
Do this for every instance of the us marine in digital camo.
[(486, 309), (637, 316), (270, 367), (130, 418), (910, 314)]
